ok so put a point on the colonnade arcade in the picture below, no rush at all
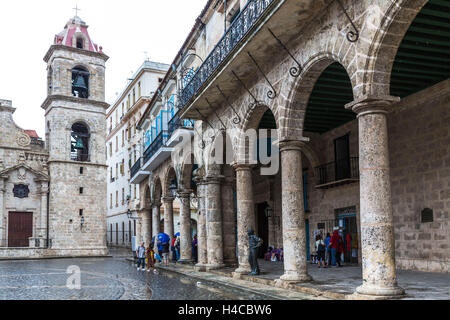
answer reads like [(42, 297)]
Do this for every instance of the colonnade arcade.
[(334, 95)]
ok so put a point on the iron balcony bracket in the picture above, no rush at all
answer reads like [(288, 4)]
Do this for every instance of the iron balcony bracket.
[(293, 71), (214, 110), (253, 104), (202, 143), (351, 36), (237, 118), (271, 94)]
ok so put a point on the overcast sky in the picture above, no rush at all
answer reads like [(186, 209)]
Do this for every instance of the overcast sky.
[(125, 29)]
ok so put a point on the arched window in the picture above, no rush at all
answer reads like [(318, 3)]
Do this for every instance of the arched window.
[(47, 135), (80, 82), (49, 80), (80, 43), (79, 142)]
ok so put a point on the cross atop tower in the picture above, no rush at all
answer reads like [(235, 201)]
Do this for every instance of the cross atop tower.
[(76, 10)]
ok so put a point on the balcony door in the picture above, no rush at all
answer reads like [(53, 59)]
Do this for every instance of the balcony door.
[(342, 157)]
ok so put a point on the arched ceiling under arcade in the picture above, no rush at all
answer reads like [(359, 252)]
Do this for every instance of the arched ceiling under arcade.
[(326, 106), (423, 57)]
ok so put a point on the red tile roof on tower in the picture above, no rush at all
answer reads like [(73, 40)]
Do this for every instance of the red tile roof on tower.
[(32, 133), (76, 28)]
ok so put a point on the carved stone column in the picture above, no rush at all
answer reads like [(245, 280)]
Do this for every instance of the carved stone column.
[(229, 222), (139, 234), (168, 216), (2, 213), (377, 226), (201, 227), (245, 214), (214, 222), (185, 227), (42, 231), (156, 219), (146, 227), (293, 213)]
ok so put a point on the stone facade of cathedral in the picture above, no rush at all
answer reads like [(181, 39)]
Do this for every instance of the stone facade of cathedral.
[(53, 193)]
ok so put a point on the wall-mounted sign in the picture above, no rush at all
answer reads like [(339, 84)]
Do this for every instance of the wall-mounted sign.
[(21, 191), (427, 215)]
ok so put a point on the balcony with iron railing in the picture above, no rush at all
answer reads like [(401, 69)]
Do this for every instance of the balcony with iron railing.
[(264, 35), (155, 154), (179, 129), (136, 167), (153, 148), (177, 123), (337, 173), (244, 22)]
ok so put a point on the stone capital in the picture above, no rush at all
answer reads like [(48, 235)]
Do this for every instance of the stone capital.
[(200, 182), (168, 199), (184, 193), (372, 104), (242, 166), (292, 144), (211, 179)]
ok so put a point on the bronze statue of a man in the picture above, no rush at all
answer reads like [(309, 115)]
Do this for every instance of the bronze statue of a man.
[(254, 244)]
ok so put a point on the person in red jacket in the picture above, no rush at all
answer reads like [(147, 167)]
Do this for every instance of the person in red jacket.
[(336, 244)]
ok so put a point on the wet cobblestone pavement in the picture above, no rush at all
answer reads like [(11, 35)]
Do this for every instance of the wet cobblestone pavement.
[(101, 279)]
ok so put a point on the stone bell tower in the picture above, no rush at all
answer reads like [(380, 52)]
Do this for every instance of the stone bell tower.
[(75, 116)]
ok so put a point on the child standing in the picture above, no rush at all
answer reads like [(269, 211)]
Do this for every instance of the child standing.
[(150, 258)]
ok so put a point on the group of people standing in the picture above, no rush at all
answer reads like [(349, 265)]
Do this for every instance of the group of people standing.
[(329, 251), (146, 256)]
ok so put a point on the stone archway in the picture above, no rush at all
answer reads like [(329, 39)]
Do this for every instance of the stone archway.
[(383, 48), (168, 199), (298, 93)]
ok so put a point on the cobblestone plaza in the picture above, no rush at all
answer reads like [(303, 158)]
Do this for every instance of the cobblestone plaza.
[(101, 279), (278, 124)]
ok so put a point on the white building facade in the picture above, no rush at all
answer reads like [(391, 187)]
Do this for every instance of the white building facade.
[(123, 149)]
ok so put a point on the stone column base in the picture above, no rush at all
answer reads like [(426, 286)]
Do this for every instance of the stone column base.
[(243, 270), (200, 267), (357, 296), (295, 278), (371, 290), (214, 266), (185, 261)]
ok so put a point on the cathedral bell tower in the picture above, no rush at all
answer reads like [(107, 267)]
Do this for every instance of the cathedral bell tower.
[(75, 118)]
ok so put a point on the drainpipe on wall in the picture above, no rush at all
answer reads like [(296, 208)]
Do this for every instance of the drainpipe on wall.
[(48, 216)]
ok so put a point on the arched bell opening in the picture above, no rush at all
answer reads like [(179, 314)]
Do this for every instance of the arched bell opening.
[(80, 82), (79, 142)]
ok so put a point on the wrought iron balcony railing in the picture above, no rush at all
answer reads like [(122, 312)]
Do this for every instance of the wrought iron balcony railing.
[(176, 122), (247, 19), (337, 171), (159, 141), (135, 168)]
